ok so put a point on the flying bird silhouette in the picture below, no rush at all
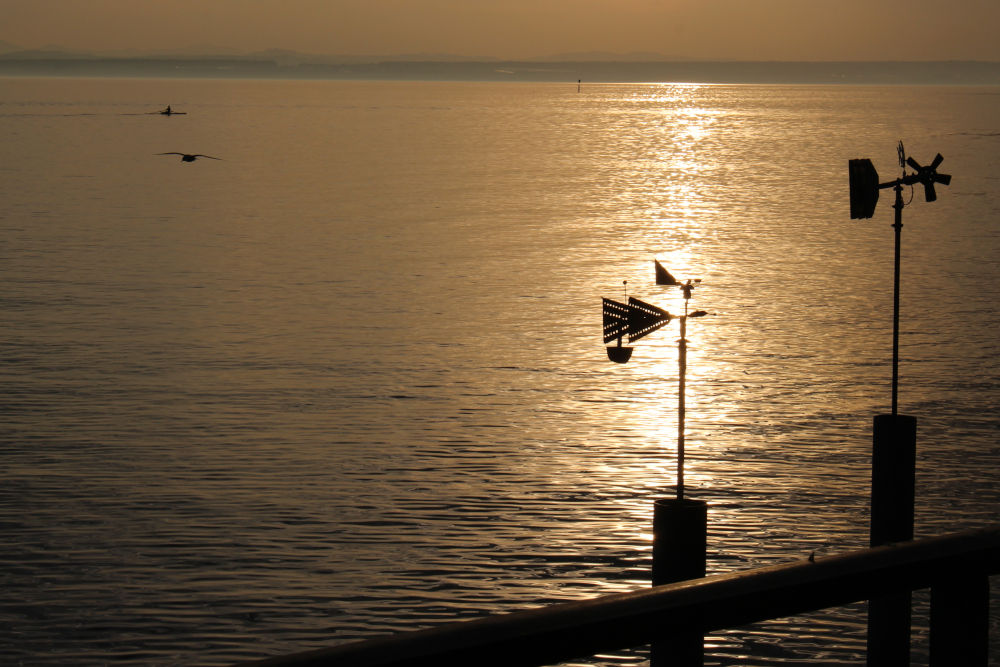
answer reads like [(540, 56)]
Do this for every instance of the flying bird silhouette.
[(188, 157)]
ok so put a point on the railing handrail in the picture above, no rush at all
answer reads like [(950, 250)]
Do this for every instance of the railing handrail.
[(569, 630)]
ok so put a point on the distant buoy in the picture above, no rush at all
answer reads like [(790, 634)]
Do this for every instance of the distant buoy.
[(188, 157)]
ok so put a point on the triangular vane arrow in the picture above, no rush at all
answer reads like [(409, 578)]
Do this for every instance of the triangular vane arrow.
[(663, 276), (644, 318), (615, 320)]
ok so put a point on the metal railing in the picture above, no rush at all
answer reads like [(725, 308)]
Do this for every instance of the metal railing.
[(955, 567)]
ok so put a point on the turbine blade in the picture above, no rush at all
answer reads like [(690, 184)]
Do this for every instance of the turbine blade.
[(929, 194), (913, 163), (943, 179), (937, 161)]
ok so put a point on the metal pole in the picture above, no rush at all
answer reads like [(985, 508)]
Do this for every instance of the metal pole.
[(680, 529), (898, 226), (682, 364), (894, 445)]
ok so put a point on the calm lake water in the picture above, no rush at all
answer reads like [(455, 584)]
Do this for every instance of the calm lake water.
[(349, 379)]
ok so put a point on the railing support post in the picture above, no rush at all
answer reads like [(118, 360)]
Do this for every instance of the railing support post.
[(679, 546), (894, 448), (960, 628)]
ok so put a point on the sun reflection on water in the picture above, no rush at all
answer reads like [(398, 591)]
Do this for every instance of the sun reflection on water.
[(670, 152), (654, 415)]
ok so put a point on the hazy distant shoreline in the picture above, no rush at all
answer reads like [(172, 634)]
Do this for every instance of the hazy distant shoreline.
[(938, 73)]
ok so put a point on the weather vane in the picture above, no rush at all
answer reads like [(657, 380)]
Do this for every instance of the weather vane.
[(637, 319), (864, 187)]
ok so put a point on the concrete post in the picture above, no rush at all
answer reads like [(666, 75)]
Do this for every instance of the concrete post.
[(894, 446), (679, 545)]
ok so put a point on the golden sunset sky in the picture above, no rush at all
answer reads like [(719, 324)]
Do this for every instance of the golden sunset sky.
[(512, 29)]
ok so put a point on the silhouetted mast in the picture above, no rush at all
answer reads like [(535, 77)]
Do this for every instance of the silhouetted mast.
[(864, 187)]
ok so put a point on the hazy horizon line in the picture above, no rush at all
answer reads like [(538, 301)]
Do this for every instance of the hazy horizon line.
[(971, 73), (281, 56)]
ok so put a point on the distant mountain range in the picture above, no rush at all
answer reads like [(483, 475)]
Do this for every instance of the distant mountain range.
[(589, 67)]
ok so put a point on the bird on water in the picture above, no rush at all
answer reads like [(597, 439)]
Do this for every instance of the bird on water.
[(189, 157)]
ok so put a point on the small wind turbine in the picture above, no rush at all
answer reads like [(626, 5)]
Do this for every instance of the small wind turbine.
[(864, 187)]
